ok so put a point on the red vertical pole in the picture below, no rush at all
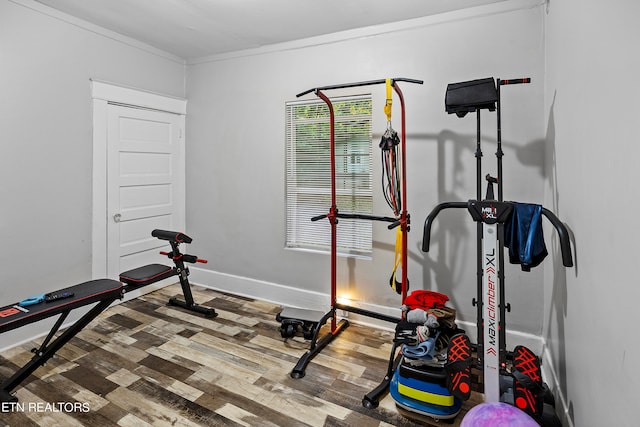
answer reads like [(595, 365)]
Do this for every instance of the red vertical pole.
[(404, 217), (333, 211)]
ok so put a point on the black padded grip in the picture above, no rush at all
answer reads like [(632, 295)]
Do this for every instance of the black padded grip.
[(515, 81), (563, 234), (426, 235), (172, 236)]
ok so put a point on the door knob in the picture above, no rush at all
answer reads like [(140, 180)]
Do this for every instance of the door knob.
[(117, 217)]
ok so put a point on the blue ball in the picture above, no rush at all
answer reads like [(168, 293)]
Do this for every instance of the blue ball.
[(497, 415)]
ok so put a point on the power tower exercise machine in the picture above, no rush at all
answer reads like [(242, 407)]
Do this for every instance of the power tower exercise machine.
[(311, 321)]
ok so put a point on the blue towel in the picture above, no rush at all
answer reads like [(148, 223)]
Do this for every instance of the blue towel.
[(523, 236), (424, 350)]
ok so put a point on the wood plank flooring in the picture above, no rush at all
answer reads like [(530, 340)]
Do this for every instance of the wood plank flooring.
[(143, 363)]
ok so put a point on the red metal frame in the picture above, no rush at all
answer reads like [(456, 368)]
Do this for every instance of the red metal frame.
[(336, 327)]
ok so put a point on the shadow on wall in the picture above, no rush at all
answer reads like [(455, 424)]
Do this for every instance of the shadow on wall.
[(559, 294), (446, 263)]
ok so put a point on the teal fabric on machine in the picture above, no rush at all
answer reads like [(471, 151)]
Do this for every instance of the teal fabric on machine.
[(524, 236)]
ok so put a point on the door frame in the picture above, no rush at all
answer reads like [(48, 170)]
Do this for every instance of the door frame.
[(103, 94)]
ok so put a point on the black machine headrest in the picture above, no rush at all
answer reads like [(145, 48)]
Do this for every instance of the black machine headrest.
[(172, 236), (466, 97)]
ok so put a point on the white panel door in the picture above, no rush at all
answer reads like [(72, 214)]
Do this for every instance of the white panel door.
[(145, 184)]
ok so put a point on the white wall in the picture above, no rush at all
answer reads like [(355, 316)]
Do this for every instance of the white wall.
[(569, 138), (591, 109), (46, 61), (235, 178)]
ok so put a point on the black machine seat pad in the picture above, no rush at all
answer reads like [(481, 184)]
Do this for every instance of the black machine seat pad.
[(12, 317), (146, 275)]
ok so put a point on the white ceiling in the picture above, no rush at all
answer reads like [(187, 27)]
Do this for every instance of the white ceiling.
[(200, 28)]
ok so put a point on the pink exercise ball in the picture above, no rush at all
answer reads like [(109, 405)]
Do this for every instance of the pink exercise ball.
[(497, 415)]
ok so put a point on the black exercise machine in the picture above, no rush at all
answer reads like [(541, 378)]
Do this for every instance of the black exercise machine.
[(102, 292), (152, 273), (491, 215)]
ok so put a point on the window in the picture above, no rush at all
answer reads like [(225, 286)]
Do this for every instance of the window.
[(308, 174)]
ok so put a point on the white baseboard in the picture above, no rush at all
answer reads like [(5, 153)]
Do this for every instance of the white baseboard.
[(259, 289), (287, 296), (550, 376)]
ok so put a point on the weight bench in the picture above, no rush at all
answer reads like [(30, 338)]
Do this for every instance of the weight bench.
[(152, 273), (102, 291)]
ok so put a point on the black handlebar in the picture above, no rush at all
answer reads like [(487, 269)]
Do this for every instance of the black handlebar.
[(184, 257), (514, 81), (565, 245), (426, 236), (394, 224), (357, 216), (367, 83)]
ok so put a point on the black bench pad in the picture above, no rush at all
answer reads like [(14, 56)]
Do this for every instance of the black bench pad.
[(146, 275), (85, 293)]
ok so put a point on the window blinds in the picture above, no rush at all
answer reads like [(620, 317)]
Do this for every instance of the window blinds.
[(308, 180)]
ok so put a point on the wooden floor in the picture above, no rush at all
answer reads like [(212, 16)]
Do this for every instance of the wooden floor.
[(145, 363)]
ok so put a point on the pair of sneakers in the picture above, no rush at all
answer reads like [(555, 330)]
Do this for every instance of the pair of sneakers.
[(528, 388)]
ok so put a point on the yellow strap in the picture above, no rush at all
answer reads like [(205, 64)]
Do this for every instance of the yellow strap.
[(424, 396), (387, 105), (396, 284), (398, 257)]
